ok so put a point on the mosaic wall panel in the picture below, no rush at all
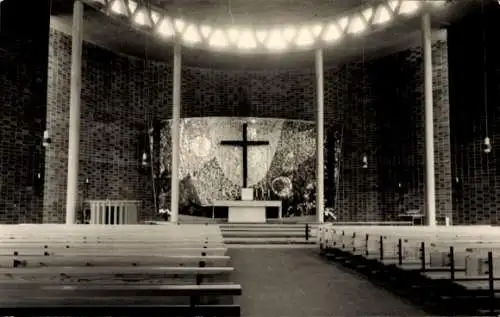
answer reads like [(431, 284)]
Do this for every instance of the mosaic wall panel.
[(209, 171)]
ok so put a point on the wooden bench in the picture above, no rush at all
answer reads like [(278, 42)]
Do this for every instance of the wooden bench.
[(112, 300), (457, 260), (86, 270)]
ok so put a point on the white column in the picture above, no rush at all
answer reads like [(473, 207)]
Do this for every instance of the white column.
[(74, 114), (430, 182), (320, 168), (175, 131)]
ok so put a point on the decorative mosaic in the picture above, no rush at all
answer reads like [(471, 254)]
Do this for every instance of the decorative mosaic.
[(283, 170)]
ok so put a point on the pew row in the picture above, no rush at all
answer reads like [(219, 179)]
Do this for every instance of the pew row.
[(140, 300), (453, 265), (88, 270)]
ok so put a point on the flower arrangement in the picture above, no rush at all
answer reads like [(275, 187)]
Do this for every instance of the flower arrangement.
[(165, 213), (329, 214)]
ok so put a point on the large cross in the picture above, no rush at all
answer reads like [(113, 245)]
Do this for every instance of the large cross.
[(244, 144)]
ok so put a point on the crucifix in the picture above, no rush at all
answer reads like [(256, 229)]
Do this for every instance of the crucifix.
[(245, 143)]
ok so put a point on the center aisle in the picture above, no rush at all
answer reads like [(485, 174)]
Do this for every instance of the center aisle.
[(297, 282)]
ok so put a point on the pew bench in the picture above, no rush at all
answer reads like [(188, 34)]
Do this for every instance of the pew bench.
[(90, 241), (370, 244), (111, 260), (476, 287), (443, 257), (125, 270), (91, 236), (116, 300), (119, 275), (49, 250), (131, 231)]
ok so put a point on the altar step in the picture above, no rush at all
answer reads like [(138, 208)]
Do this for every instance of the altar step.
[(283, 226), (268, 234)]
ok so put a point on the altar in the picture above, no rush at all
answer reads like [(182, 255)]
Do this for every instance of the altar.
[(249, 211)]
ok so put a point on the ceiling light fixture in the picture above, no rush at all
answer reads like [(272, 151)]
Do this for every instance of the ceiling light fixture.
[(409, 7), (276, 40), (132, 6), (356, 26), (118, 7), (316, 30), (393, 4), (205, 31), (141, 17), (166, 28), (218, 39), (343, 22), (289, 33), (368, 14), (155, 16), (382, 15), (233, 35), (332, 33), (304, 38), (261, 36), (179, 25), (191, 35), (247, 40)]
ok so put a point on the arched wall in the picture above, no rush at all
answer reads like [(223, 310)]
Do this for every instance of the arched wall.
[(377, 107)]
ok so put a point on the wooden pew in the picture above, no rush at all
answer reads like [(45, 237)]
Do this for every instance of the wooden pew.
[(139, 300), (458, 256), (66, 270), (362, 238)]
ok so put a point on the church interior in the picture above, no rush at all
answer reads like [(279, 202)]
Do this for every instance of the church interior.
[(249, 158)]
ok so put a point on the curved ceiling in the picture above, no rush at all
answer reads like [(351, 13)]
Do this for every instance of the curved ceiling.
[(256, 12), (269, 37), (121, 33)]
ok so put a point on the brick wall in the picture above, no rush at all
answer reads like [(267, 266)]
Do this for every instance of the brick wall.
[(382, 116), (378, 104), (23, 88), (120, 96), (476, 174)]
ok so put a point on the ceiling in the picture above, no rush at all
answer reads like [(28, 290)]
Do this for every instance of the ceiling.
[(121, 37), (257, 12)]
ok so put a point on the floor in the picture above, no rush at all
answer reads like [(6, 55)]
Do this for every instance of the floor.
[(297, 282)]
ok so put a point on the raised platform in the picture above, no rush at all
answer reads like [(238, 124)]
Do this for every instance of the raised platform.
[(269, 234), (248, 211), (276, 233), (287, 220)]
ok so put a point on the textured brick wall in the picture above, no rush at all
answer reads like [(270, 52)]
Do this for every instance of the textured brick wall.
[(120, 96), (378, 105), (23, 86), (476, 189), (274, 93)]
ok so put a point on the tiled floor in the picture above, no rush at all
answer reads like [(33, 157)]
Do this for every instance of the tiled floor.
[(297, 282)]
